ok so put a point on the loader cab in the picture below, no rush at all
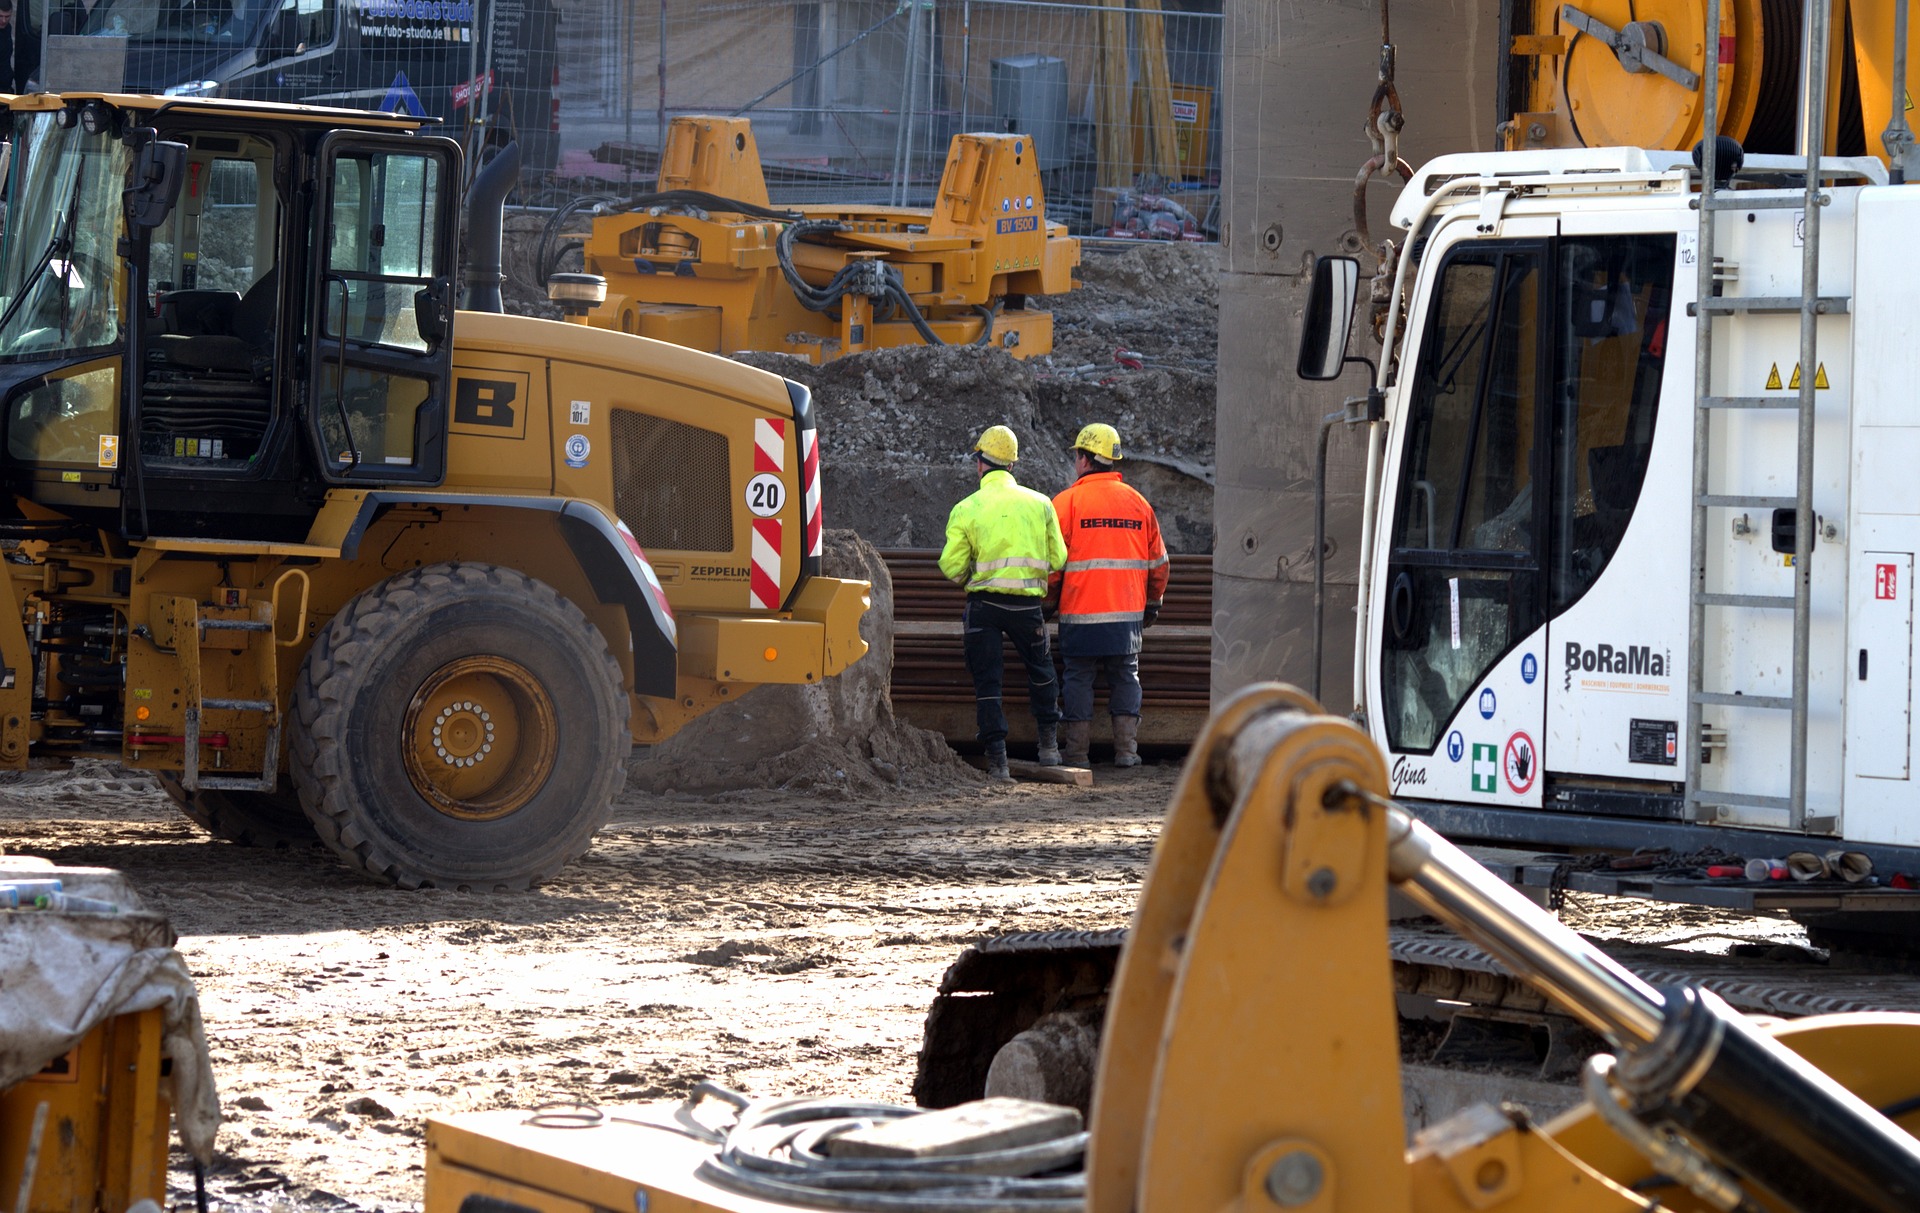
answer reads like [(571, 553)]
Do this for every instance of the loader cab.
[(284, 327), (1520, 435)]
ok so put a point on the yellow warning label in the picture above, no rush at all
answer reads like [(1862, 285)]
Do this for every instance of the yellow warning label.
[(1819, 378), (1909, 96), (1773, 378)]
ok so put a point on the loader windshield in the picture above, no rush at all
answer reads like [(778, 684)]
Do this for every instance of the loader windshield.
[(59, 277)]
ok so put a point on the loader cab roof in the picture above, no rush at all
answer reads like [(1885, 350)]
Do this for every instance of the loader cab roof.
[(212, 109), (1610, 170)]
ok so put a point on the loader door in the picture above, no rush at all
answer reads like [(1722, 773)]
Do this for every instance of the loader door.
[(382, 308)]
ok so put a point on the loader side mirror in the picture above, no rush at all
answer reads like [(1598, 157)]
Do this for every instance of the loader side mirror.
[(1329, 319), (159, 169)]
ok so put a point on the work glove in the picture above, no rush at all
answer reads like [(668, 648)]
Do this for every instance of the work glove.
[(1152, 615), (1050, 608)]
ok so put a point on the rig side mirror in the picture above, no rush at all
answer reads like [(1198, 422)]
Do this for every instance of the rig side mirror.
[(159, 169), (1329, 319)]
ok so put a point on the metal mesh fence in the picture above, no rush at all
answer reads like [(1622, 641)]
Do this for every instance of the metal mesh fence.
[(851, 100), (856, 100)]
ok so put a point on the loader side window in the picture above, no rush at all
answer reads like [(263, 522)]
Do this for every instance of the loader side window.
[(382, 310), (1615, 295), (1463, 579)]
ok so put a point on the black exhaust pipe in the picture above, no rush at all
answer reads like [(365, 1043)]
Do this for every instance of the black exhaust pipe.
[(486, 204)]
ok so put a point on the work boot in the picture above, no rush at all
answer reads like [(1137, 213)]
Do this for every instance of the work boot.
[(1126, 741), (1079, 737), (1049, 749), (997, 762)]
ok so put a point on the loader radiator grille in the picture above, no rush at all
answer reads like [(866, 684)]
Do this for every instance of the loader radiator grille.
[(672, 483)]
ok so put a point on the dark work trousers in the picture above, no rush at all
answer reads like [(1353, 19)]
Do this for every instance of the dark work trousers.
[(988, 618)]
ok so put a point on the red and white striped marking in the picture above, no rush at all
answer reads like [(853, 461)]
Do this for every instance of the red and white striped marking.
[(763, 578), (653, 581), (810, 488)]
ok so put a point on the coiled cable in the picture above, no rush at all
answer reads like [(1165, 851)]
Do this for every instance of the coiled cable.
[(779, 1150)]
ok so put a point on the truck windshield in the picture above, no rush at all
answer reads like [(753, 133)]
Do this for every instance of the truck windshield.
[(59, 280), (145, 21)]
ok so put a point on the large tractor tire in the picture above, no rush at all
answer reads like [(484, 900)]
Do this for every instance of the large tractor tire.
[(252, 819), (461, 726)]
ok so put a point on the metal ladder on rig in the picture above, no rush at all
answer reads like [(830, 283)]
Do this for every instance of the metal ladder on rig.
[(1711, 305)]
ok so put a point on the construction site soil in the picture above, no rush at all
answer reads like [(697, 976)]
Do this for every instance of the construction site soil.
[(781, 941)]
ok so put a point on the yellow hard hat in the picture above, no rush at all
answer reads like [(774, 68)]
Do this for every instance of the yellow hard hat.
[(999, 445), (1099, 439)]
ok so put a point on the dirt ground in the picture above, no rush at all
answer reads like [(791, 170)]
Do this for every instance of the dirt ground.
[(769, 939)]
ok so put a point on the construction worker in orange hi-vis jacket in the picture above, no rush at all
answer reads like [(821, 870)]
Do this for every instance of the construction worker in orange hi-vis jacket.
[(1112, 587)]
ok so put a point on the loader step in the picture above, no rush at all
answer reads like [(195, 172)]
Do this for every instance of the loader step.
[(233, 783), (239, 705), (237, 625)]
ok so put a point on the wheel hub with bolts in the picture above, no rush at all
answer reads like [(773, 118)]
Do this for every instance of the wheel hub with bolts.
[(479, 738), (463, 734)]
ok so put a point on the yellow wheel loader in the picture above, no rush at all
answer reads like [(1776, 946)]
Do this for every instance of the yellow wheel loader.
[(325, 554)]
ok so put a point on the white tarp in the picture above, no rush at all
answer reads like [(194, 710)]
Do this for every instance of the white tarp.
[(61, 975)]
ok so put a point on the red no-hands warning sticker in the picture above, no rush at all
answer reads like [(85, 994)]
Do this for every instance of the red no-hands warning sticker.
[(1521, 764)]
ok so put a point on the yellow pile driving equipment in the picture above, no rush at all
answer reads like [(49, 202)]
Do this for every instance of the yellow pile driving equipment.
[(1252, 1054), (325, 555), (706, 261)]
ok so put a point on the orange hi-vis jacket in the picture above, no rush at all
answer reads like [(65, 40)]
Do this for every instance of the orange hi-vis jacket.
[(1116, 560)]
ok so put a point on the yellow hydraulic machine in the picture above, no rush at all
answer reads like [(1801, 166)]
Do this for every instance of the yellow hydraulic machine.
[(706, 262), (1627, 73), (1251, 1055)]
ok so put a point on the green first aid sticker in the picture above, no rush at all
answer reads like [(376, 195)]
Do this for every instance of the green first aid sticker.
[(1486, 768)]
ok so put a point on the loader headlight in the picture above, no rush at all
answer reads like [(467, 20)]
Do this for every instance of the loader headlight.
[(98, 118)]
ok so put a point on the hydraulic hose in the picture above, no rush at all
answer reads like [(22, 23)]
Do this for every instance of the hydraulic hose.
[(875, 279)]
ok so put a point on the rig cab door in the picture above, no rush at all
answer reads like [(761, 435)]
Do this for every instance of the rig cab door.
[(1462, 597), (1525, 438), (381, 303)]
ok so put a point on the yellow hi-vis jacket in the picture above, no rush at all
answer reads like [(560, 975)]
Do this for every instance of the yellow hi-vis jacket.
[(1003, 539)]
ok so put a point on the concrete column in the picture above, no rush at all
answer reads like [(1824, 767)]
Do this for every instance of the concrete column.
[(1298, 80)]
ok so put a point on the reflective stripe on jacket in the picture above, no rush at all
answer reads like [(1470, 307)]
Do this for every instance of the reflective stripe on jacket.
[(1116, 559), (1003, 539)]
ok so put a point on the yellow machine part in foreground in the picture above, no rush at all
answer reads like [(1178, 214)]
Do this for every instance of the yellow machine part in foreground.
[(1252, 1022), (101, 1143), (712, 280)]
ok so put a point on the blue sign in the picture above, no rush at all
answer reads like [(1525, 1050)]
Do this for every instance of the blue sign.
[(577, 449), (1529, 669), (1486, 703), (1025, 223), (400, 98), (1456, 746)]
